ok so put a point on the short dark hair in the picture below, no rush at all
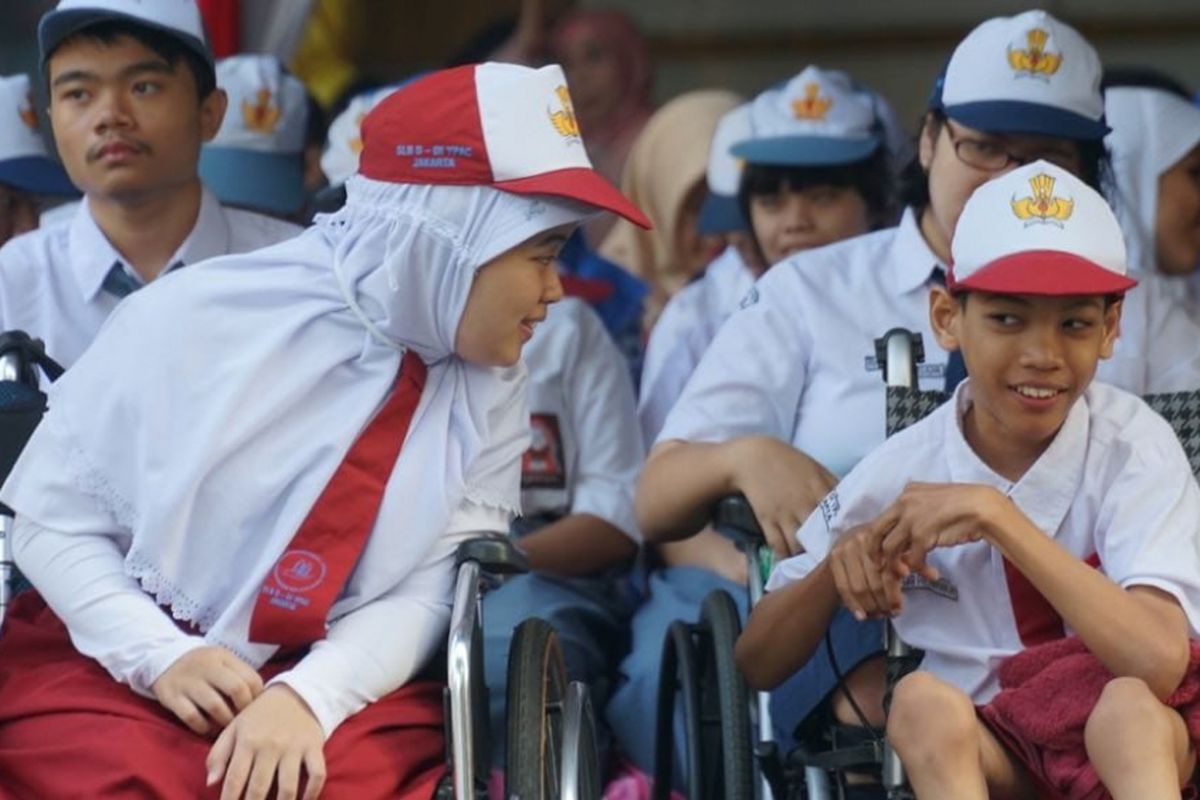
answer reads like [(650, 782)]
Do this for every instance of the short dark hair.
[(166, 46), (871, 177), (1096, 166)]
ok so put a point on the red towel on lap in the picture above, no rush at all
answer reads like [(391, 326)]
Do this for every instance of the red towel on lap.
[(1047, 693), (68, 730)]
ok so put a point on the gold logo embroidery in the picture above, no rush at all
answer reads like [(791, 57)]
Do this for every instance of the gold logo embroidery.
[(1042, 206), (356, 142), (564, 121), (1034, 60), (812, 106), (28, 115), (261, 116)]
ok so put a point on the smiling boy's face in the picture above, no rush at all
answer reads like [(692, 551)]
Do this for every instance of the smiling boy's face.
[(1029, 357)]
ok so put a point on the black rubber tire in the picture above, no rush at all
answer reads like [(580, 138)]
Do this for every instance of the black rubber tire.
[(677, 680), (726, 739), (537, 683)]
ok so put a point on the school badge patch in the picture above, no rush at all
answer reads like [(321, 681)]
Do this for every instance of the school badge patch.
[(28, 115), (1034, 60), (564, 120), (812, 106), (1042, 207), (543, 466), (261, 116)]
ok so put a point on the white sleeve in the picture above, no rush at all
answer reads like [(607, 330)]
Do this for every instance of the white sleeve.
[(601, 411), (671, 357), (752, 376), (1156, 351), (108, 616)]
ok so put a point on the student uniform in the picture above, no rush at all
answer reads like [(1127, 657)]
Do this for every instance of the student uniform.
[(59, 283), (1114, 486), (584, 458)]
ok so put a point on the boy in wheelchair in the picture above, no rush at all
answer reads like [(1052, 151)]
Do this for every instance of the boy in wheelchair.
[(1036, 536)]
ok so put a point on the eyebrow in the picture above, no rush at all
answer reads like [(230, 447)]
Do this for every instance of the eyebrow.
[(554, 238), (155, 66)]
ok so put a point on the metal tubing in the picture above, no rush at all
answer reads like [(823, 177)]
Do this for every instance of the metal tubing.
[(463, 621)]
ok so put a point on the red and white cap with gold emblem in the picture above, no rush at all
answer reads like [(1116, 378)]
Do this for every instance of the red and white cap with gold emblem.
[(498, 125), (1038, 230)]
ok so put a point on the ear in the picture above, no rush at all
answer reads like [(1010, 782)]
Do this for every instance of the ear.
[(927, 141), (212, 113), (945, 317), (1112, 328)]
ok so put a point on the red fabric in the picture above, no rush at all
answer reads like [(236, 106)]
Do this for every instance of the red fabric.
[(295, 599), (1037, 621), (68, 730), (1047, 694), (590, 290), (223, 22)]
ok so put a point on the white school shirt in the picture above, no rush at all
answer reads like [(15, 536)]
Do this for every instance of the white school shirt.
[(586, 450), (51, 279), (686, 327), (1114, 484), (797, 362)]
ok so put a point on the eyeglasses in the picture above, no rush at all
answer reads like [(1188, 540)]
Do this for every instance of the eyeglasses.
[(991, 156)]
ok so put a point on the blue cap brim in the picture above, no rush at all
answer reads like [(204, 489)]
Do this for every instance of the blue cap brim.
[(55, 26), (271, 182), (720, 214), (1033, 119), (37, 174), (805, 151)]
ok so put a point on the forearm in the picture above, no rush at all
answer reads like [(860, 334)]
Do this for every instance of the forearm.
[(786, 627), (679, 485), (1132, 633), (577, 545)]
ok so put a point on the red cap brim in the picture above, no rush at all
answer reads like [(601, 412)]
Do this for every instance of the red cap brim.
[(1043, 272), (582, 184)]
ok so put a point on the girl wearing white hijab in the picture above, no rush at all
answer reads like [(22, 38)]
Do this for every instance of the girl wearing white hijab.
[(211, 460), (1155, 144)]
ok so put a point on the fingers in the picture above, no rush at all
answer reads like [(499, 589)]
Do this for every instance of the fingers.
[(246, 674), (314, 766), (183, 708), (238, 687), (238, 772), (218, 756), (288, 787), (212, 703), (262, 775)]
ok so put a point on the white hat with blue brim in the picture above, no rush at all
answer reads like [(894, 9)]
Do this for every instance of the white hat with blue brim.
[(24, 160), (720, 212), (178, 18), (256, 160)]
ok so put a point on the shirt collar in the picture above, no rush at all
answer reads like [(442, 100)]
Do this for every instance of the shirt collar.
[(1045, 492), (911, 259), (92, 255)]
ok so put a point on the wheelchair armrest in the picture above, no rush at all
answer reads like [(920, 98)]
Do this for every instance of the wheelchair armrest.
[(494, 554), (734, 518)]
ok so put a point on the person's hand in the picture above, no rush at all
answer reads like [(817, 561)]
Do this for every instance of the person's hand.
[(266, 745), (931, 515), (206, 686), (782, 485), (868, 588)]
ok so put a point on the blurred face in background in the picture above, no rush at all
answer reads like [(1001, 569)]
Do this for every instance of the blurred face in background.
[(1177, 221)]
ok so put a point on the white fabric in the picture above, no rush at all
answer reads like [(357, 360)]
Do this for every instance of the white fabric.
[(268, 107), (510, 97), (686, 327), (19, 135), (816, 102), (231, 391), (179, 15), (981, 69), (1114, 483), (51, 278), (724, 172), (343, 143), (1152, 130), (587, 450), (1038, 206), (798, 361)]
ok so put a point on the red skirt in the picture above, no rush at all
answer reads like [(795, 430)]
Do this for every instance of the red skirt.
[(68, 730)]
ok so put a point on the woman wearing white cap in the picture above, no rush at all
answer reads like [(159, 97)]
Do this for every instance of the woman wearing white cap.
[(789, 395), (261, 469)]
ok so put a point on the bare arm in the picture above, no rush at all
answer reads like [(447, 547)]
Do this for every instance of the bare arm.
[(577, 545)]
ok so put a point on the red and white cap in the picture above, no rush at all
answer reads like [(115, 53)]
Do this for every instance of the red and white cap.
[(500, 125), (1038, 230)]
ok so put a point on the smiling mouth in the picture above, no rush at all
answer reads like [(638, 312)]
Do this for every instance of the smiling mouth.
[(1037, 392)]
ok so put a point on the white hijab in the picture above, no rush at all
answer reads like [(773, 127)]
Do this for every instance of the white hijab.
[(216, 403), (1152, 129)]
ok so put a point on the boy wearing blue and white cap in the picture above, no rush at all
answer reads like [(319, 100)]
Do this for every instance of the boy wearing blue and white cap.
[(1035, 536), (132, 98)]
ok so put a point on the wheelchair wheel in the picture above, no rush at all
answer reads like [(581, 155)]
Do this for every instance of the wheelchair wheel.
[(677, 677), (581, 775), (726, 740), (537, 685)]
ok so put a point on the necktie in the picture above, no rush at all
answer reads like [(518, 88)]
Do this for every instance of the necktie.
[(296, 596), (119, 283), (956, 368)]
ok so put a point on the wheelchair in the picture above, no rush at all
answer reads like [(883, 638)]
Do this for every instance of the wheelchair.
[(551, 721)]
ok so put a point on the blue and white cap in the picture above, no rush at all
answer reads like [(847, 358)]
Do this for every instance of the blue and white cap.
[(818, 118), (256, 160), (24, 161), (1028, 74), (178, 18), (720, 212)]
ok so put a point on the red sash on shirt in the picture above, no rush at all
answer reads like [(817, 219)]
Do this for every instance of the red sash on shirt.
[(1037, 621), (295, 599)]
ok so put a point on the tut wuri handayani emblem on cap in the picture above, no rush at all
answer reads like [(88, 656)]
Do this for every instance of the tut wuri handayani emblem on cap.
[(261, 116), (1034, 60), (1042, 207), (812, 106), (564, 120)]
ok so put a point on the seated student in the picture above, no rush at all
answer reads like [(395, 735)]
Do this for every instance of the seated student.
[(1035, 503), (132, 97), (256, 160), (240, 518), (577, 523), (1155, 145), (816, 171), (28, 175)]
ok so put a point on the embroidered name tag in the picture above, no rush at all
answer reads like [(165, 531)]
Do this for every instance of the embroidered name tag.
[(871, 364), (830, 507), (941, 587)]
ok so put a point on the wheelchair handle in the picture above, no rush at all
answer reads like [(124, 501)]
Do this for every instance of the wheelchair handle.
[(734, 518), (898, 352)]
